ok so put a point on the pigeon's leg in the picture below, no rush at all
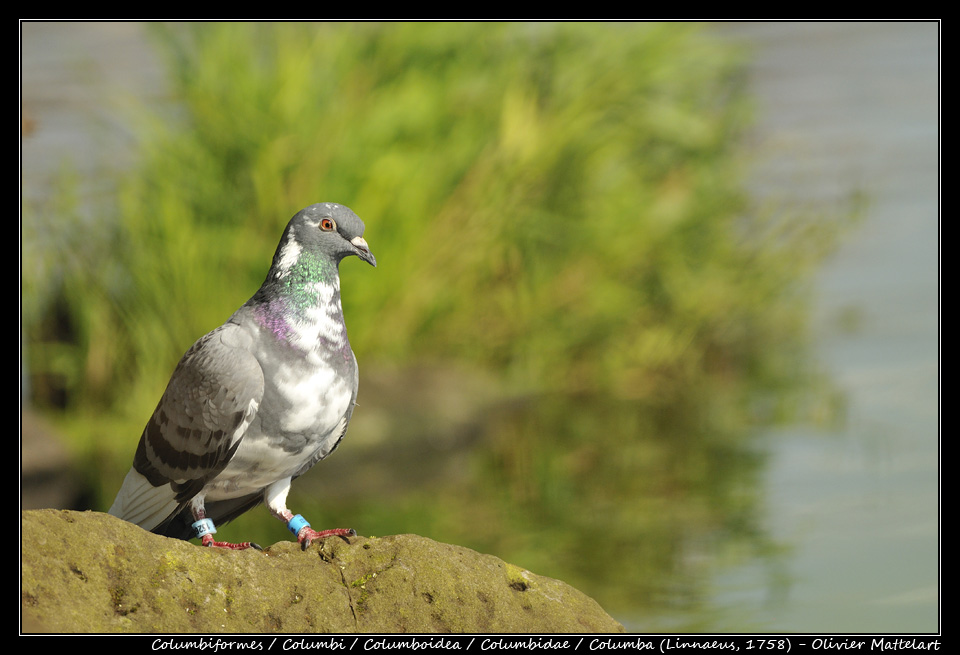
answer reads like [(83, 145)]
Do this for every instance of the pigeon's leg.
[(275, 497), (204, 530)]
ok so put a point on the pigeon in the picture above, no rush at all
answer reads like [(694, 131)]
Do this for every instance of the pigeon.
[(258, 401)]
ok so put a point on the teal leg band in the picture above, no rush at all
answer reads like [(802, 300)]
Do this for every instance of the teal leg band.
[(296, 524), (203, 527)]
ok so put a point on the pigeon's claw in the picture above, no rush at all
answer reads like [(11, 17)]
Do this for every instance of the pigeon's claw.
[(307, 535), (207, 540)]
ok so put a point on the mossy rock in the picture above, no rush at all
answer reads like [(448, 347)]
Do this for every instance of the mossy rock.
[(91, 572)]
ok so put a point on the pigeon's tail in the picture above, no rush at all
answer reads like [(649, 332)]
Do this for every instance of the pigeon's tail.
[(157, 510), (140, 502)]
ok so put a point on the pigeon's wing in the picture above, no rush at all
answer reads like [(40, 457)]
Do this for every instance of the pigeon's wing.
[(210, 401)]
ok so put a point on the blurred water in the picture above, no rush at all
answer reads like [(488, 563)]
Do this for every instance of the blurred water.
[(80, 84), (842, 105), (857, 104)]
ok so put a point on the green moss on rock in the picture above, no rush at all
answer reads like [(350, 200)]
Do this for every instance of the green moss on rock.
[(91, 572)]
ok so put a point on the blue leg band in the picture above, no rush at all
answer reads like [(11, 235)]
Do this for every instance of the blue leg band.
[(296, 524), (203, 527)]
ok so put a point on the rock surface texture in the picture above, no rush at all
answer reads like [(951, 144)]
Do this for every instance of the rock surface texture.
[(91, 572)]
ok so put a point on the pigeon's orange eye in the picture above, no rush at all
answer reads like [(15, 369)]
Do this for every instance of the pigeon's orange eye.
[(327, 225)]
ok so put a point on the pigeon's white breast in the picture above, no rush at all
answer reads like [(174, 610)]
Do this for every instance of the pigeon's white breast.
[(315, 402), (257, 464), (321, 321)]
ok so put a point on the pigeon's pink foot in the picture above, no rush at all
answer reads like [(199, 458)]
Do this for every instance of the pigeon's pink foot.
[(207, 540), (307, 535)]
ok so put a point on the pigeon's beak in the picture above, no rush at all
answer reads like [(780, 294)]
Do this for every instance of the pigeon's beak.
[(363, 251)]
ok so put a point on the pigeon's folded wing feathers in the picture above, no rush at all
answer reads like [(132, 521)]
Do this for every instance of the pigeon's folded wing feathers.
[(210, 401)]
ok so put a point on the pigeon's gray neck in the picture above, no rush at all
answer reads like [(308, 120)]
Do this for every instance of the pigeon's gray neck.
[(300, 303)]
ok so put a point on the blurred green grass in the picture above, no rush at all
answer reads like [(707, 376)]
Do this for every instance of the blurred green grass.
[(561, 205)]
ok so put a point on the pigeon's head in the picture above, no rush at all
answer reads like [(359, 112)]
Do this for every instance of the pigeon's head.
[(325, 229)]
